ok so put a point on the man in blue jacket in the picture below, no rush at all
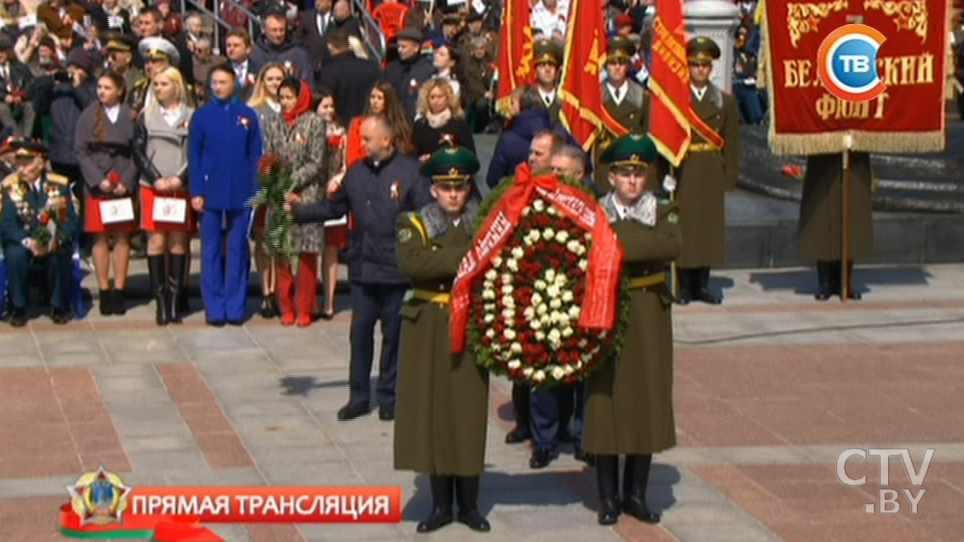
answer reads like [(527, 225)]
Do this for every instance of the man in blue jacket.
[(224, 147), (376, 190)]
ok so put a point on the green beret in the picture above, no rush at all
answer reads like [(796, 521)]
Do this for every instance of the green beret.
[(620, 49), (631, 150), (702, 50), (546, 51), (451, 165)]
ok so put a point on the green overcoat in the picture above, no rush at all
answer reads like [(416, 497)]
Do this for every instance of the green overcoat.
[(441, 408), (629, 402), (821, 203)]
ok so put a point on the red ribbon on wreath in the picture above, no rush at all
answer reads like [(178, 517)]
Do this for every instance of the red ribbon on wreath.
[(605, 254)]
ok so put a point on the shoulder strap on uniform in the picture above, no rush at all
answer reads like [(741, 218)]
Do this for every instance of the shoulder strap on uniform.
[(56, 178), (416, 221), (11, 180)]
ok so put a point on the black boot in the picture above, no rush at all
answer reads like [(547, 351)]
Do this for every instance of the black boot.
[(520, 405), (176, 289), (442, 493), (702, 279), (635, 480), (106, 302), (851, 294), (156, 270), (837, 278), (685, 292), (467, 493), (607, 479), (824, 281), (117, 302)]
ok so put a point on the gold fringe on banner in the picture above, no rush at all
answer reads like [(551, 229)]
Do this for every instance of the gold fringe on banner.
[(833, 142)]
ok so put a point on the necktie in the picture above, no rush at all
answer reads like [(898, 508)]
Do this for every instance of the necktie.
[(617, 94), (548, 100), (239, 72)]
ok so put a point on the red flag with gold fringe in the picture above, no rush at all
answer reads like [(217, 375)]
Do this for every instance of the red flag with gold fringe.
[(671, 117), (584, 55), (515, 52)]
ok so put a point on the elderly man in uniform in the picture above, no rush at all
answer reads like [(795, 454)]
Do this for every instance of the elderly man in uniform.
[(120, 58), (158, 55), (629, 401), (442, 398), (624, 99), (37, 225), (704, 177), (544, 93)]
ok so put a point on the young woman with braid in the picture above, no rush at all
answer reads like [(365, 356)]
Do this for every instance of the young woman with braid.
[(102, 142)]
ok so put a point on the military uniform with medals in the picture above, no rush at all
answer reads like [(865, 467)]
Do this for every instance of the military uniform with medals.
[(22, 215), (629, 401), (703, 178), (628, 108), (442, 398)]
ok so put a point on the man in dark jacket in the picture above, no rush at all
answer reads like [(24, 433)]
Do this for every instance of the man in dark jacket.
[(311, 32), (15, 86), (410, 69), (348, 77), (376, 190), (512, 148), (276, 46)]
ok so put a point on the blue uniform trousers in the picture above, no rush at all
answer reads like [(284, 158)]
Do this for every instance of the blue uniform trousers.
[(58, 266), (370, 303), (224, 282), (551, 409)]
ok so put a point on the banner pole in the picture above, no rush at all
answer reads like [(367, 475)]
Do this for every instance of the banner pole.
[(845, 228)]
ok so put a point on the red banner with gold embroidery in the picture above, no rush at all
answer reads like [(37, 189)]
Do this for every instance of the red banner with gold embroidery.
[(822, 58), (514, 64)]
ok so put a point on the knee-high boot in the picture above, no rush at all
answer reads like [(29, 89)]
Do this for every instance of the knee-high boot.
[(824, 281), (702, 279), (307, 287), (285, 283), (175, 281), (443, 488), (837, 288), (685, 288), (156, 268), (607, 480), (635, 481), (467, 493)]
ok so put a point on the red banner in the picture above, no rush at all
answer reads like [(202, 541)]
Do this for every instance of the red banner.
[(605, 255), (671, 116), (514, 64), (865, 76)]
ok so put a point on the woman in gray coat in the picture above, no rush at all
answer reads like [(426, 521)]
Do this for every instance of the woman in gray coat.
[(298, 136), (102, 141)]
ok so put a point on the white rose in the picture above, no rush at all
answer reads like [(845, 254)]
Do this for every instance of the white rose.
[(554, 317), (567, 296), (509, 334), (513, 265), (550, 275), (525, 212), (506, 278), (540, 335), (527, 371), (554, 336), (551, 210), (497, 261), (548, 233), (540, 284), (488, 318), (542, 309), (536, 299), (579, 364), (507, 312), (516, 348), (508, 301), (583, 264), (561, 236), (490, 333), (558, 372), (572, 246), (567, 331), (574, 312), (555, 303), (515, 364), (488, 307), (528, 313), (561, 280), (539, 376), (506, 288), (491, 274), (581, 250), (533, 236), (582, 343), (539, 205), (569, 370), (517, 252), (535, 324), (488, 294)]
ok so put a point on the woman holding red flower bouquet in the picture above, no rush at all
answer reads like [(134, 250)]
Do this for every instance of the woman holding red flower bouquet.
[(298, 138), (102, 142)]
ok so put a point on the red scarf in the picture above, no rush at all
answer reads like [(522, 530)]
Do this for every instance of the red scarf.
[(304, 103)]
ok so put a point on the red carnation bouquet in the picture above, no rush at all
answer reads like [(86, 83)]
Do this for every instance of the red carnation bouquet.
[(274, 182), (49, 220)]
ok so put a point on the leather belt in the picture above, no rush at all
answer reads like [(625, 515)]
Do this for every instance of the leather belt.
[(646, 281), (430, 296), (702, 147)]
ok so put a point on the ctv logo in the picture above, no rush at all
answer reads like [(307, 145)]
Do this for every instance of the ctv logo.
[(887, 498), (847, 63)]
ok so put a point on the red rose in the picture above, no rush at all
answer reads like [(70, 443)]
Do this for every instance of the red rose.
[(113, 177), (44, 219), (336, 141)]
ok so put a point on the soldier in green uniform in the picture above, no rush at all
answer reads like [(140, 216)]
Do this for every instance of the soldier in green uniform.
[(544, 93), (442, 405), (821, 230), (629, 402), (624, 99), (34, 201), (704, 177)]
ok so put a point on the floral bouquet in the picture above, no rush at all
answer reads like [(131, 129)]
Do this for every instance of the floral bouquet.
[(49, 219), (545, 302), (274, 181)]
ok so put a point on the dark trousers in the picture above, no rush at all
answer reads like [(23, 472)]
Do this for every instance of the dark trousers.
[(578, 413), (749, 102), (58, 264), (371, 303), (551, 409), (224, 264)]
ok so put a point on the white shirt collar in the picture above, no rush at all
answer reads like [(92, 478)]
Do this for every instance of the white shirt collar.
[(700, 92), (544, 95), (112, 113), (622, 91)]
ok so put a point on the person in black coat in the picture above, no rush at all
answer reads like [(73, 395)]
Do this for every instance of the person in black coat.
[(376, 189), (311, 33), (410, 69), (348, 77), (441, 120)]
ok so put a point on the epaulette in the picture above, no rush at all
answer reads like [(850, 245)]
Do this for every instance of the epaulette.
[(56, 178), (416, 220), (11, 180)]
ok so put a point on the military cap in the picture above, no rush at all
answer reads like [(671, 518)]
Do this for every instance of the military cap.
[(410, 34), (546, 51), (620, 49), (451, 165), (702, 50), (157, 48), (121, 42), (631, 150), (23, 147)]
